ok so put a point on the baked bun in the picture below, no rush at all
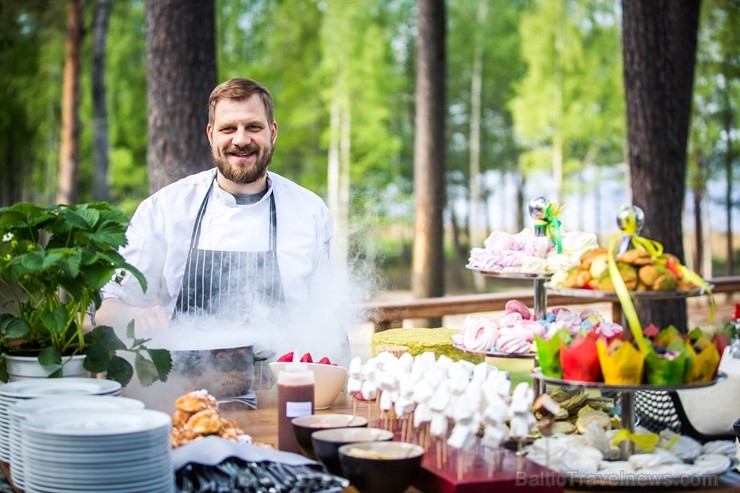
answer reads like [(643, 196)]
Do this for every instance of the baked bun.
[(636, 257)]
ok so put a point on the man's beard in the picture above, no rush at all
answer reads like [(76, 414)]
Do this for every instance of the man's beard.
[(243, 174)]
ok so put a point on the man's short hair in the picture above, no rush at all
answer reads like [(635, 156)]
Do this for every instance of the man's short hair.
[(239, 89)]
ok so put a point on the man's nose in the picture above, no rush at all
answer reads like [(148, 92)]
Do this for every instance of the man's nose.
[(241, 137)]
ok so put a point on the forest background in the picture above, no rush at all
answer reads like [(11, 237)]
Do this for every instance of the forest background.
[(534, 102)]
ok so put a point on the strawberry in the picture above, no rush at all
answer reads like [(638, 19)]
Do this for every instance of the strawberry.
[(324, 361), (286, 358), (306, 358)]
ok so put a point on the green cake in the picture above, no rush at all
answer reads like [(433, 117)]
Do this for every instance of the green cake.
[(418, 341)]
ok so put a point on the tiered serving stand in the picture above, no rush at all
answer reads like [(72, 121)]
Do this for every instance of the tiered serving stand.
[(626, 392), (536, 211), (541, 287)]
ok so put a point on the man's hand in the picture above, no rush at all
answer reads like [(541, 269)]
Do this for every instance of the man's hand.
[(117, 314), (149, 320)]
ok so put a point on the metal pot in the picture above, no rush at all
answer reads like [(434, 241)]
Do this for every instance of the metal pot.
[(227, 372)]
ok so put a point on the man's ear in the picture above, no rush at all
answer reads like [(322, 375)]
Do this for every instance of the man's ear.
[(274, 132), (209, 133)]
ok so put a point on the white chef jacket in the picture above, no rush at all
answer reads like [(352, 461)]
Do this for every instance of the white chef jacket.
[(160, 232)]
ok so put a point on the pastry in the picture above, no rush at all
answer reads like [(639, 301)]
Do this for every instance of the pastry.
[(195, 400), (205, 422), (578, 277), (588, 257), (197, 415), (589, 416), (636, 257)]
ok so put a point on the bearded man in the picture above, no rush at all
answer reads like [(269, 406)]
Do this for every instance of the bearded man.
[(236, 241)]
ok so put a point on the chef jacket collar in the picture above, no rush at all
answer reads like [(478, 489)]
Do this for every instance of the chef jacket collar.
[(229, 200)]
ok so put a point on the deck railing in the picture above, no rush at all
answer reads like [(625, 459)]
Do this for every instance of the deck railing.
[(391, 314)]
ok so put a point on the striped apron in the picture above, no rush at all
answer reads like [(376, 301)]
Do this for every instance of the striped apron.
[(227, 284), (232, 285)]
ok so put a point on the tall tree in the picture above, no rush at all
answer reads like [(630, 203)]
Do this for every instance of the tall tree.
[(713, 150), (181, 73), (429, 153), (659, 46), (69, 147), (31, 55), (477, 233), (100, 114)]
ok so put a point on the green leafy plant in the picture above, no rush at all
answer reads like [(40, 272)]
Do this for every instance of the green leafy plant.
[(53, 263)]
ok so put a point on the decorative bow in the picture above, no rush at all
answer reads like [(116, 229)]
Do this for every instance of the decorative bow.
[(646, 441), (629, 225), (552, 223)]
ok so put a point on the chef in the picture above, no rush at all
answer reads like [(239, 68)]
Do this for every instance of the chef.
[(235, 241)]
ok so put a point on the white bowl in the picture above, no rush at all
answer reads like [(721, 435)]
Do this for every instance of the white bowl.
[(329, 381)]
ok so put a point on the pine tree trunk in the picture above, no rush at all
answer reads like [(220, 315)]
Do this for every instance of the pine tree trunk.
[(181, 73), (429, 154), (476, 84), (101, 189), (69, 146), (658, 37)]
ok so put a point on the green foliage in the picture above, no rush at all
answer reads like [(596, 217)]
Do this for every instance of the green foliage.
[(31, 52), (571, 94), (55, 260)]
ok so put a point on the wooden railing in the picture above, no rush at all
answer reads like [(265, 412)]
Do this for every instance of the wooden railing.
[(390, 314)]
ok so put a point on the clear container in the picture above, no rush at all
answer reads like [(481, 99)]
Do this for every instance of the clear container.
[(295, 385)]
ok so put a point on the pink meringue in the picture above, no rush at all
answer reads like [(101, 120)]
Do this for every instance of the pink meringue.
[(518, 307), (479, 334), (513, 343)]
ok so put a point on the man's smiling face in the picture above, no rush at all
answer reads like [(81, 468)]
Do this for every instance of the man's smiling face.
[(242, 140)]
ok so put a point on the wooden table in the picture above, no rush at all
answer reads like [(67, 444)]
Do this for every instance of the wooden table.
[(261, 424)]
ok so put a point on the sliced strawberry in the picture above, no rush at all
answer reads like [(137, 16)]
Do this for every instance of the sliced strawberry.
[(286, 358), (306, 358), (325, 361)]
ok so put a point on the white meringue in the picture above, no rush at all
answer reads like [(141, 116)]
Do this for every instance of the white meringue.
[(581, 459)]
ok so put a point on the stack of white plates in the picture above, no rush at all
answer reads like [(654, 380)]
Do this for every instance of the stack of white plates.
[(21, 410), (30, 389), (102, 450)]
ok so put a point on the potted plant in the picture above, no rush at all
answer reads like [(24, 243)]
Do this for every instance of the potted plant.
[(53, 263)]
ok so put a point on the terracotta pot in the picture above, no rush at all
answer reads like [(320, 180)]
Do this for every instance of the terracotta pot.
[(28, 367)]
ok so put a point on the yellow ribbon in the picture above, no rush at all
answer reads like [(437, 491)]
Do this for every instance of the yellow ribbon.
[(646, 441), (625, 299), (629, 225), (552, 223), (672, 441)]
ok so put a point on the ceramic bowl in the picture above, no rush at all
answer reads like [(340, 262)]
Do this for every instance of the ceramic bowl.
[(381, 467), (305, 426), (326, 443), (329, 380)]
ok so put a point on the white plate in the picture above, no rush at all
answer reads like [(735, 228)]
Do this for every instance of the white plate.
[(26, 408), (108, 474), (96, 422), (59, 386), (160, 485), (84, 457), (101, 445)]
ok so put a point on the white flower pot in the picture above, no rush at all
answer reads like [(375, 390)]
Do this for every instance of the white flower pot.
[(28, 367)]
